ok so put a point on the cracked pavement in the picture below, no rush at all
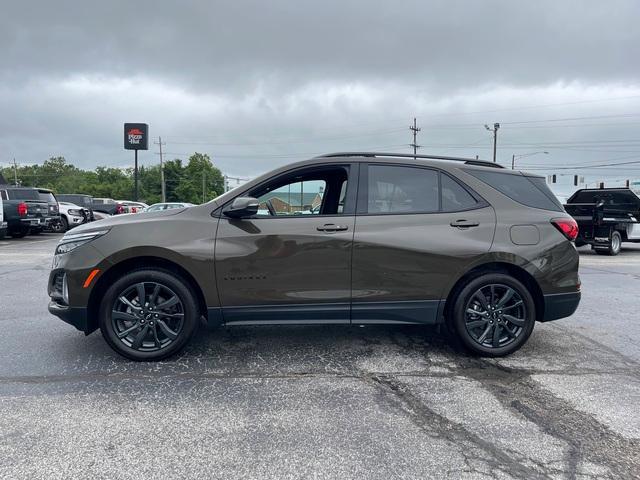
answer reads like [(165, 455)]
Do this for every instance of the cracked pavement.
[(322, 401)]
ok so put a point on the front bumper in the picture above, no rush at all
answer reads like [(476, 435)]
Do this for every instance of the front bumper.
[(560, 305), (76, 316)]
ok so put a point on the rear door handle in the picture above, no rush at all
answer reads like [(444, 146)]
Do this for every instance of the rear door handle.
[(464, 224), (330, 227)]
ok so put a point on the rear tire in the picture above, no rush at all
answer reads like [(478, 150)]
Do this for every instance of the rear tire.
[(614, 247), (19, 233), (493, 315), (156, 328)]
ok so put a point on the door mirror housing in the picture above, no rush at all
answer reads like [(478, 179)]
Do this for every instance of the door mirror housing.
[(243, 207)]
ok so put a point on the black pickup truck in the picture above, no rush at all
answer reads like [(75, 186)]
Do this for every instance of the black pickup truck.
[(23, 210), (606, 217)]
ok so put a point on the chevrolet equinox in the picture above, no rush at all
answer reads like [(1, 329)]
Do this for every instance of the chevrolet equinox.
[(346, 238)]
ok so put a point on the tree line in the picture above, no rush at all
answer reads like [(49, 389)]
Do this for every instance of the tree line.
[(185, 182)]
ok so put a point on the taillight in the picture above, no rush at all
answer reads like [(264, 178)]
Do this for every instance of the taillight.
[(567, 226), (119, 209), (23, 208)]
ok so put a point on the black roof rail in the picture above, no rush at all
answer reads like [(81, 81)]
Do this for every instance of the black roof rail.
[(468, 161)]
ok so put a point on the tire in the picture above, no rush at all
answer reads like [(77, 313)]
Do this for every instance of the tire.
[(614, 247), (35, 231), (60, 226), (148, 334), (476, 332)]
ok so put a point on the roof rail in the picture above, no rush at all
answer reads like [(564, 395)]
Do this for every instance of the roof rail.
[(468, 161)]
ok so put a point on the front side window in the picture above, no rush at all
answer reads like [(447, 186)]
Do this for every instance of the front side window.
[(316, 192), (400, 189)]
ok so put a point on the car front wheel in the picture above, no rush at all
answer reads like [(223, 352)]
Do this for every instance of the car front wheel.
[(493, 315), (148, 315)]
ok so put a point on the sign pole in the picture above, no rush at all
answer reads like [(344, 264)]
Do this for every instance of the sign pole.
[(135, 178)]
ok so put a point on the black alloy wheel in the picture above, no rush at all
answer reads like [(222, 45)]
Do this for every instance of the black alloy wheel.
[(494, 315), (148, 315)]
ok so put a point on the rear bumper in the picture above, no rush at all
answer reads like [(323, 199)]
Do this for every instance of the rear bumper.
[(560, 305), (76, 316)]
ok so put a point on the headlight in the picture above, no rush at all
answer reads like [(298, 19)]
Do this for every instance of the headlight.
[(75, 212), (73, 241)]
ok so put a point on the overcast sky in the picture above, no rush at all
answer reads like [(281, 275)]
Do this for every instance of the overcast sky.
[(256, 84)]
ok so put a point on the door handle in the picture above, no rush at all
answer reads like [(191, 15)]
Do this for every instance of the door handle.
[(330, 227), (464, 223)]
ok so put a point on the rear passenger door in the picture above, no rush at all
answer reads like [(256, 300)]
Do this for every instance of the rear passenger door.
[(417, 229)]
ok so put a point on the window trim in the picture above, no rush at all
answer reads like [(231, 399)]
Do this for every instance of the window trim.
[(352, 170), (362, 207)]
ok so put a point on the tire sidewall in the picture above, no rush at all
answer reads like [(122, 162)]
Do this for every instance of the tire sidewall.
[(458, 314), (175, 283), (612, 250)]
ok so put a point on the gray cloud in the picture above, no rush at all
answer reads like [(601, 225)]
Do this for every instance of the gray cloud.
[(258, 83)]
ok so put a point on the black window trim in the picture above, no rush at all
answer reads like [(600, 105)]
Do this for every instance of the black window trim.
[(352, 169), (362, 205)]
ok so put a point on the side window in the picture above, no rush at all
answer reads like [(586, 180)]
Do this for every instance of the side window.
[(296, 198), (4, 195), (400, 189), (454, 197)]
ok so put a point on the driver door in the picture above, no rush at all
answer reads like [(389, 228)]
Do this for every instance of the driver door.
[(291, 262)]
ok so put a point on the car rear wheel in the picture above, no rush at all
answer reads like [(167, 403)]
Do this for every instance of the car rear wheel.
[(148, 315), (493, 315), (19, 233)]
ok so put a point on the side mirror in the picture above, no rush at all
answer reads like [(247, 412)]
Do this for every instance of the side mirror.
[(243, 207)]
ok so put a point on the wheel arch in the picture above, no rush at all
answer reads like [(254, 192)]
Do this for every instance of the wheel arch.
[(137, 263), (497, 267)]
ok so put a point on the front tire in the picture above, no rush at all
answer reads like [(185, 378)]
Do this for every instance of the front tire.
[(148, 315), (493, 315)]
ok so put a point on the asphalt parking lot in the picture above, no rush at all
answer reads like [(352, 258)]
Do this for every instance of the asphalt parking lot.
[(321, 402)]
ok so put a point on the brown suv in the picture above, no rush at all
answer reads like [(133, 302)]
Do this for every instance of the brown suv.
[(353, 238)]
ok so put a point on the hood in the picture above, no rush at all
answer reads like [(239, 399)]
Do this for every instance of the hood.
[(125, 218)]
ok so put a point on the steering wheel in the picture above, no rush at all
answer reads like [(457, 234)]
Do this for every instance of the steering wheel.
[(272, 210)]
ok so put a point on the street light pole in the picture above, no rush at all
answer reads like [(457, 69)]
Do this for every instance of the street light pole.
[(514, 156), (496, 127)]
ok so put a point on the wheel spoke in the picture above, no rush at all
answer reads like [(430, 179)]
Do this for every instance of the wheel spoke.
[(471, 311), (477, 323), (156, 340), (141, 294), (168, 303), (154, 295), (166, 330), (126, 332), (117, 315), (517, 304), (483, 301), (137, 342), (126, 301), (493, 294), (496, 335), (506, 297), (509, 332), (518, 322), (171, 315), (483, 337)]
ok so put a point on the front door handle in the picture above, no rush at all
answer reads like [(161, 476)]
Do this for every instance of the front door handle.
[(464, 223), (331, 227)]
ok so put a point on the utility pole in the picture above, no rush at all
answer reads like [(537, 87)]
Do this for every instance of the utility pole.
[(513, 161), (164, 193), (414, 128), (204, 182), (15, 173), (496, 127)]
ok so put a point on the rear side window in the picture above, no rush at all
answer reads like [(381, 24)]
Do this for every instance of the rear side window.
[(47, 197), (397, 189), (529, 191)]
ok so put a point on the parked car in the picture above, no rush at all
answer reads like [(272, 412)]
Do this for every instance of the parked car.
[(107, 205), (3, 224), (606, 218), (397, 240), (156, 207), (133, 207), (84, 201), (23, 210), (72, 215)]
